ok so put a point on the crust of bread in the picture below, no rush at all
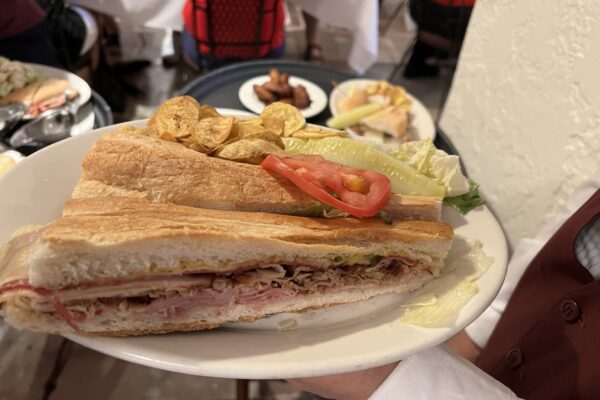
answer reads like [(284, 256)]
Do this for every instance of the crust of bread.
[(203, 318), (123, 238), (14, 253), (170, 172), (161, 171)]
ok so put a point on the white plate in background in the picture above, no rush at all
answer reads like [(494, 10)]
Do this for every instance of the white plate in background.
[(82, 87), (333, 340), (421, 125), (250, 100)]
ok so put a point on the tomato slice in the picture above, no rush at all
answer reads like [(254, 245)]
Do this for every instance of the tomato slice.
[(360, 193)]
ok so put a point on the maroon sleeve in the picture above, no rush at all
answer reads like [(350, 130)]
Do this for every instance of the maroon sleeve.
[(19, 15)]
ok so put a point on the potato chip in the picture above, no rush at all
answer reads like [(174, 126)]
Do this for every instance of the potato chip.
[(246, 127), (206, 111), (314, 132), (253, 121), (265, 134), (283, 119), (168, 136), (211, 132), (251, 151), (275, 124), (130, 130), (191, 143), (175, 118)]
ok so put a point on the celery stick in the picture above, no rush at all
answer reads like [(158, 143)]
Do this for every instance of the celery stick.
[(353, 116)]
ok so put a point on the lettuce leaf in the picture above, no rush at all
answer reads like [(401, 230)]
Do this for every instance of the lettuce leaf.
[(423, 156), (468, 201)]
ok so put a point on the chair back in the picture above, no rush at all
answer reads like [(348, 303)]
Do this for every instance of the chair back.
[(228, 29)]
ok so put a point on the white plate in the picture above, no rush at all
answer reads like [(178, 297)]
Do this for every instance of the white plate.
[(85, 123), (46, 72), (337, 339), (421, 125), (250, 100)]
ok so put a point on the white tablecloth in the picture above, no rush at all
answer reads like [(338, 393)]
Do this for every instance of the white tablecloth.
[(161, 14), (361, 17)]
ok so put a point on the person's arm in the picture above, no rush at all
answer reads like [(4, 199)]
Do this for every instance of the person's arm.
[(438, 373), (350, 386), (464, 346), (435, 373)]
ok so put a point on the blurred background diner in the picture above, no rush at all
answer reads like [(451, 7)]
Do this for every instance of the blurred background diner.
[(523, 90), (137, 54)]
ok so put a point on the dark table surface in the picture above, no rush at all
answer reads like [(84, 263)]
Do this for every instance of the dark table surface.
[(220, 87)]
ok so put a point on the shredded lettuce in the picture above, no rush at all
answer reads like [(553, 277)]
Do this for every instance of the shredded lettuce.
[(468, 201), (423, 156), (461, 193), (386, 218)]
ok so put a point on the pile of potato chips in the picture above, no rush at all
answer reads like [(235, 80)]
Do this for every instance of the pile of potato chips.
[(201, 128)]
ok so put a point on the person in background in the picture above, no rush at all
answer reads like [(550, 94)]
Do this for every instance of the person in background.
[(441, 28), (217, 32), (24, 35), (538, 339), (314, 52)]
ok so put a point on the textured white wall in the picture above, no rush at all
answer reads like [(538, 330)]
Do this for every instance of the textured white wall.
[(524, 109)]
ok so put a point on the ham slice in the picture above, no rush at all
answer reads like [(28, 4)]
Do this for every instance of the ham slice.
[(174, 296)]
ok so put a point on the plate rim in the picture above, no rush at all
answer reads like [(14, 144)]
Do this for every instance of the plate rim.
[(245, 94), (236, 368)]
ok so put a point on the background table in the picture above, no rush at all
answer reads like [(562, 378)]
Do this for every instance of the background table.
[(220, 87)]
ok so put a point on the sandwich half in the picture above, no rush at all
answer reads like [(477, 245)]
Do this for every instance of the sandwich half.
[(124, 266), (140, 166)]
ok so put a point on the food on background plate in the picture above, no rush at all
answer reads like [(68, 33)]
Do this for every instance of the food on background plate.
[(41, 95), (391, 118), (6, 164), (279, 89), (8, 160), (122, 266), (14, 75), (353, 116), (19, 83)]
